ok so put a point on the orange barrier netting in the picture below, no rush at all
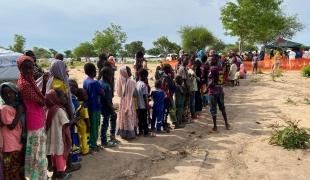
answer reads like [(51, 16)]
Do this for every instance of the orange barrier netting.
[(289, 65)]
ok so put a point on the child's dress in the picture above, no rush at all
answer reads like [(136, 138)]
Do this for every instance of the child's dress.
[(12, 146), (55, 140)]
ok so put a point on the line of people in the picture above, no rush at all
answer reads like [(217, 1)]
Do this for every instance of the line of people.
[(48, 122)]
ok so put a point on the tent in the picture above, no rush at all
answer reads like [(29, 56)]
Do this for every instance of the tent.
[(283, 43), (8, 66)]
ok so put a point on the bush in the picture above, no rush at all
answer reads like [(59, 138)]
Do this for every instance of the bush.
[(306, 71), (290, 136)]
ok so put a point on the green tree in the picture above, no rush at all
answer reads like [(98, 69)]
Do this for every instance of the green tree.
[(110, 40), (41, 53), (85, 49), (258, 21), (68, 53), (195, 38), (165, 46), (19, 44), (153, 51), (53, 52), (133, 47)]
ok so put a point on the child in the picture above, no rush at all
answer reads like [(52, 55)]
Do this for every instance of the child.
[(11, 132), (142, 93), (216, 94), (58, 132), (107, 109), (158, 97), (33, 99), (158, 73), (192, 88), (94, 92), (83, 122), (179, 101), (232, 72)]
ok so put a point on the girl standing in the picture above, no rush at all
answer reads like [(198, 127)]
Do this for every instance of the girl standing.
[(58, 132), (12, 131), (33, 99), (125, 88)]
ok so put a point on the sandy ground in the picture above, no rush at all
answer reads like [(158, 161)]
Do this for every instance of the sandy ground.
[(196, 153)]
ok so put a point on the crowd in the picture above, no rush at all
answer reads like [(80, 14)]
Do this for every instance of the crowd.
[(48, 122)]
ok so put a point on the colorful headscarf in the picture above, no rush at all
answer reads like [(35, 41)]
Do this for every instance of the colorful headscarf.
[(27, 85)]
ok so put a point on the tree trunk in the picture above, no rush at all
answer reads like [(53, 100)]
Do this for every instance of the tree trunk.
[(241, 46)]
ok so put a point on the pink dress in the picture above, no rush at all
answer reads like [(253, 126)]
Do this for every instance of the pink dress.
[(11, 138)]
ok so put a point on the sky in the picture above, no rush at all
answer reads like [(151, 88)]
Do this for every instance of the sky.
[(63, 24)]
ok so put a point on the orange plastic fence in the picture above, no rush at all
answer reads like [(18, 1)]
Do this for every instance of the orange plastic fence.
[(288, 65)]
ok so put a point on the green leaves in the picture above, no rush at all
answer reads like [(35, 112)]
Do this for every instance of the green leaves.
[(306, 71), (109, 40), (133, 47), (290, 136), (258, 21), (19, 43), (164, 46), (85, 49), (196, 38)]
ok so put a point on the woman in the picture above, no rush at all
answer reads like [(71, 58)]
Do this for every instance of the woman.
[(33, 99), (125, 89), (59, 80)]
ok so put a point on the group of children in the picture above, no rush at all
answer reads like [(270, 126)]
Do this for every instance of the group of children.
[(49, 125)]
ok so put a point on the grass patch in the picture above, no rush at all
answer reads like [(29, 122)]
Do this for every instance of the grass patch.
[(254, 79), (277, 73), (306, 71), (307, 101), (290, 101), (260, 71), (290, 136)]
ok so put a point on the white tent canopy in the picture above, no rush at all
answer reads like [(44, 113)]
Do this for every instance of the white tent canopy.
[(8, 66)]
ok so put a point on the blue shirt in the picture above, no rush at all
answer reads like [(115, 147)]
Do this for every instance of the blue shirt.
[(107, 97), (94, 92), (158, 97)]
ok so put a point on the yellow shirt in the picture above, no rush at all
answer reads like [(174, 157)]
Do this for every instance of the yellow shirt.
[(58, 84)]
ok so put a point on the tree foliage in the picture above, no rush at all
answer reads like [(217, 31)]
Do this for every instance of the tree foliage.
[(68, 53), (19, 44), (195, 38), (85, 49), (41, 52), (164, 46), (153, 51), (53, 52), (133, 47), (258, 21), (110, 40)]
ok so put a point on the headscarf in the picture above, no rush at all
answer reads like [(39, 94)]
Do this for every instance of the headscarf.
[(122, 82), (58, 70), (53, 104), (27, 85), (12, 86)]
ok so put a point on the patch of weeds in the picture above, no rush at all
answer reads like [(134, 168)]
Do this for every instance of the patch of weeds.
[(277, 73), (306, 71), (254, 80), (290, 136), (260, 71), (307, 101), (290, 101)]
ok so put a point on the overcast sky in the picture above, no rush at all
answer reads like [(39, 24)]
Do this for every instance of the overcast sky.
[(63, 24)]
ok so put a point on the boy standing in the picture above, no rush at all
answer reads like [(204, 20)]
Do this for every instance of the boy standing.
[(107, 110), (216, 94), (158, 97), (179, 101), (94, 92), (142, 92)]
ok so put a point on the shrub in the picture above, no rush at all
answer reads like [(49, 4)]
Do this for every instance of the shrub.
[(290, 136), (306, 71)]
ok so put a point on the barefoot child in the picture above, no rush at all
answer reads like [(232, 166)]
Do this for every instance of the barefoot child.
[(216, 94), (179, 101), (158, 97), (83, 123), (107, 109), (58, 132), (11, 127)]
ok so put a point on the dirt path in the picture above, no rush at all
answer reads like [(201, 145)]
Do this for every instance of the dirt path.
[(241, 153)]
